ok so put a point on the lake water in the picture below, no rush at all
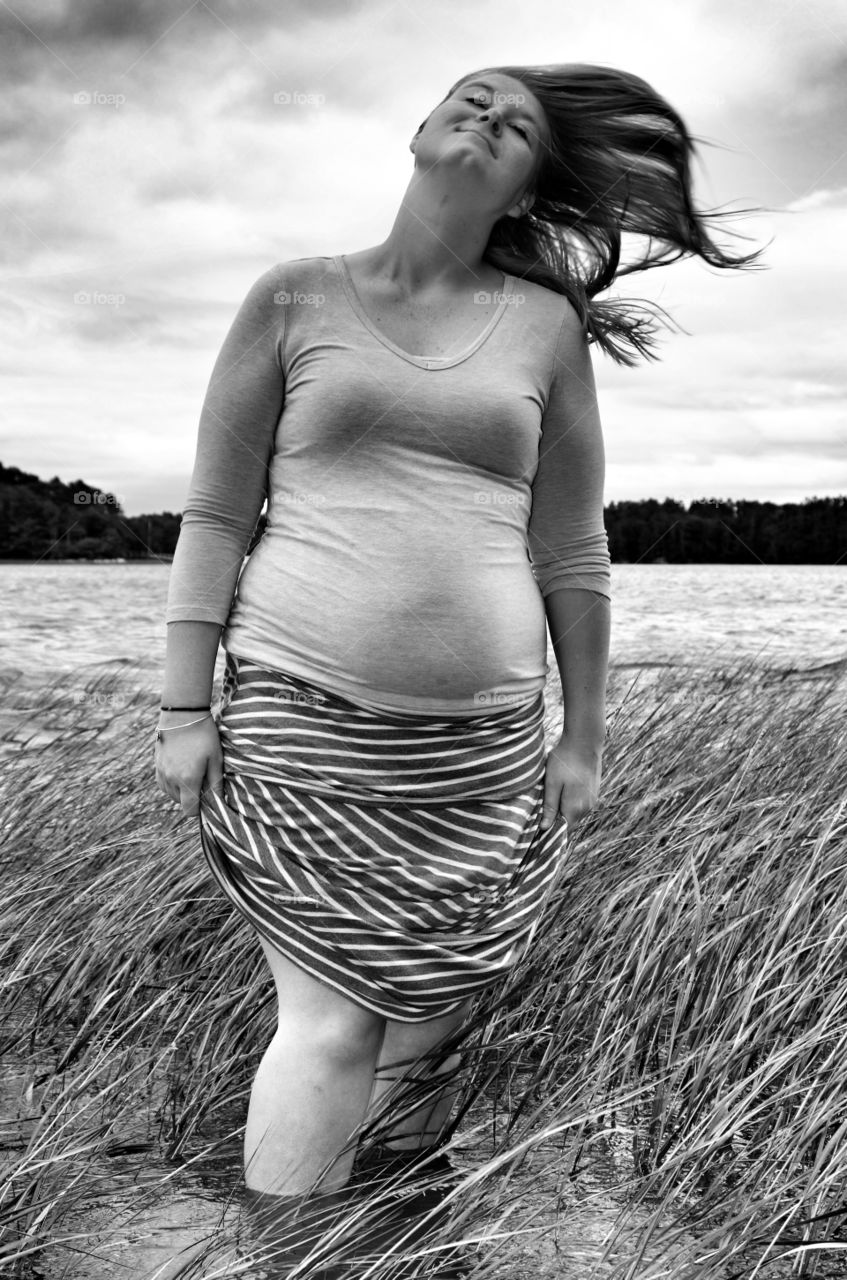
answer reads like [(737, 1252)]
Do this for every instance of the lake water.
[(59, 617), (110, 618)]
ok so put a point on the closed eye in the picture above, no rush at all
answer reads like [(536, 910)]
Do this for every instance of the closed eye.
[(478, 100)]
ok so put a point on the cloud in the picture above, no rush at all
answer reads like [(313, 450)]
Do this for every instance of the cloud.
[(753, 400), (821, 199), (180, 196), (69, 24)]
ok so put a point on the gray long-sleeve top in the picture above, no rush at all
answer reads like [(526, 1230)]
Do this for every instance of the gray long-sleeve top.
[(419, 509)]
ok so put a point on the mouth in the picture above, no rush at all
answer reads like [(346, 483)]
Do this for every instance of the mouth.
[(482, 137)]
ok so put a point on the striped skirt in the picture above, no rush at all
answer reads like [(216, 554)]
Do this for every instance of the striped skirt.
[(397, 858)]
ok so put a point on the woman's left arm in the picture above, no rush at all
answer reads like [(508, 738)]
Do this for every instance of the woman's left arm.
[(570, 557), (580, 624)]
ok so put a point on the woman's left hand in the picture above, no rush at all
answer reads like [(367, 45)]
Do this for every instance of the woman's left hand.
[(571, 781)]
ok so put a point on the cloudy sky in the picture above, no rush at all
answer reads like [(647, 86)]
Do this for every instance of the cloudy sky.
[(147, 166)]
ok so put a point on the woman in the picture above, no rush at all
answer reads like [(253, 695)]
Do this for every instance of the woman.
[(374, 795)]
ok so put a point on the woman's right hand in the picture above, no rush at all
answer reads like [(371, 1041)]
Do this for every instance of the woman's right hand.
[(188, 761)]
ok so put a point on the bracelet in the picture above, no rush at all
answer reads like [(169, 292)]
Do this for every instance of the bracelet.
[(170, 728), (183, 708)]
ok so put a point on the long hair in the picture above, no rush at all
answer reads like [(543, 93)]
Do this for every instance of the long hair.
[(619, 162)]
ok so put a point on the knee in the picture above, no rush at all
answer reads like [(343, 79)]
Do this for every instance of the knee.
[(341, 1036), (350, 1038)]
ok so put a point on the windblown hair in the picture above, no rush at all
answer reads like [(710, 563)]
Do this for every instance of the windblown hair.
[(619, 163)]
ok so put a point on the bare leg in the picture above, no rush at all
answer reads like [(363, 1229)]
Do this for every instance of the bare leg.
[(405, 1040), (312, 1087)]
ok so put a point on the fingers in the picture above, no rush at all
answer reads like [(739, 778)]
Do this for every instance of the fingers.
[(553, 796), (572, 812), (184, 772), (190, 801), (549, 813), (184, 793), (571, 799), (572, 815), (215, 774), (164, 785)]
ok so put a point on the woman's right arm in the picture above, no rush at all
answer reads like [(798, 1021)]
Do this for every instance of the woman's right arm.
[(238, 422), (189, 759), (189, 666)]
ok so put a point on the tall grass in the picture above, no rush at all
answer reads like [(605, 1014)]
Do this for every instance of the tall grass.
[(658, 1089)]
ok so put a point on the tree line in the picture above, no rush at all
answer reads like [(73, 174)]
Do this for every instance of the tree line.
[(55, 520), (728, 531)]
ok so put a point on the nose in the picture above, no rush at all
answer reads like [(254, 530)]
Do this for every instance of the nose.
[(492, 114)]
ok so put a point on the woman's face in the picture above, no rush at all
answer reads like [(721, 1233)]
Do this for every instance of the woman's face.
[(493, 125)]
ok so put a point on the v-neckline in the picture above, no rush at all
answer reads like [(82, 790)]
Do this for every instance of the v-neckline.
[(422, 362)]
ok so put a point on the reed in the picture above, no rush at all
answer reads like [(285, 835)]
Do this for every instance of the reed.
[(656, 1090)]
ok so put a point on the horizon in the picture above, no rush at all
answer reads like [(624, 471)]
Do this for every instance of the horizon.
[(703, 498)]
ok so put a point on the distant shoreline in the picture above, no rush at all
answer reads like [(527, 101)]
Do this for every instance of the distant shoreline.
[(669, 564), (104, 560)]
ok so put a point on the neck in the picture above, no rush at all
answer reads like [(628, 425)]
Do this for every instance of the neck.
[(437, 240)]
